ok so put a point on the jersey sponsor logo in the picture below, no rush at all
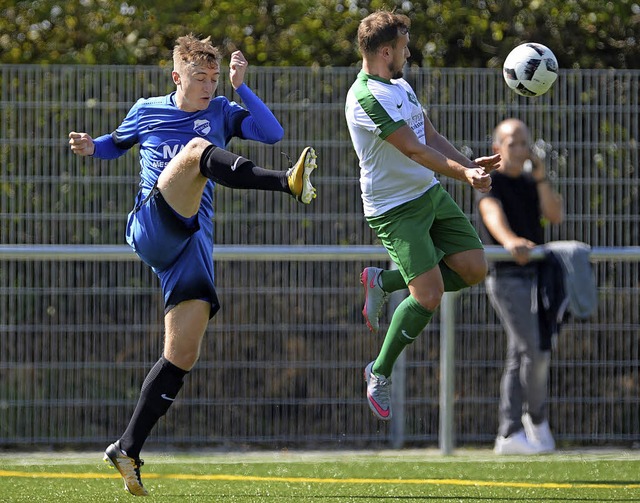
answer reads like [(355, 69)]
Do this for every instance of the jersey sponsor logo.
[(202, 127), (167, 150), (416, 123)]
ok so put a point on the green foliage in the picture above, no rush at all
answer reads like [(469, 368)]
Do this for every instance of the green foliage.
[(456, 33)]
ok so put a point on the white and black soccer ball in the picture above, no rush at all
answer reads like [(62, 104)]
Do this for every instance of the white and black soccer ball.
[(530, 69)]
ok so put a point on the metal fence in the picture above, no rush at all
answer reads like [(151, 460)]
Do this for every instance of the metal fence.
[(281, 363)]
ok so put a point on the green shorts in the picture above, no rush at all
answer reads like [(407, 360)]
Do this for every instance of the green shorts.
[(417, 234)]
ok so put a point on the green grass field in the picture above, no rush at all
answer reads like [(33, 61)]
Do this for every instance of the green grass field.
[(404, 476)]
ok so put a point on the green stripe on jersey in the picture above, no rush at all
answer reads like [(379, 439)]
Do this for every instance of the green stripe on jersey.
[(372, 106)]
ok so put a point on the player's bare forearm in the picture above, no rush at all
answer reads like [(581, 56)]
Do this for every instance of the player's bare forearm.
[(405, 140), (474, 175), (442, 145), (488, 163)]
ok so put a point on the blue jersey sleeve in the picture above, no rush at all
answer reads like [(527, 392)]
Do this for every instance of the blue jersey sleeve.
[(105, 148), (112, 146), (127, 134), (261, 124)]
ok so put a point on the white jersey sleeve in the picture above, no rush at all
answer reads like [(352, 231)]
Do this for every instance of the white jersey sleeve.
[(375, 108)]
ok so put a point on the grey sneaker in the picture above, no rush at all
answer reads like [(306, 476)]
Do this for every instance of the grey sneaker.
[(374, 297), (128, 467), (378, 394), (298, 176)]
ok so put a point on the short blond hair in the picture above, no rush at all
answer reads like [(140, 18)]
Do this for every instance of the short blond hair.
[(189, 50)]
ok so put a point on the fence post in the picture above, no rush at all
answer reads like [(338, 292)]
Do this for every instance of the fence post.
[(399, 389), (398, 401), (447, 371)]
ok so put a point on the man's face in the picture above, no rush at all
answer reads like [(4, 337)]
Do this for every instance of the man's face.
[(514, 148), (196, 86), (399, 53)]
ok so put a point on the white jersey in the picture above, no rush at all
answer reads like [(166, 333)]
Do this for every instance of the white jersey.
[(375, 108)]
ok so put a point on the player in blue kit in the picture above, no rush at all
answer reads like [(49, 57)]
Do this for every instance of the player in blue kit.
[(181, 138)]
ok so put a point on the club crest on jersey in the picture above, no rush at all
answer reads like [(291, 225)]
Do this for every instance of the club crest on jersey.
[(412, 98), (202, 127)]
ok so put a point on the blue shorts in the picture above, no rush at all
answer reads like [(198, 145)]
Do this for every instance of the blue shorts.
[(178, 249)]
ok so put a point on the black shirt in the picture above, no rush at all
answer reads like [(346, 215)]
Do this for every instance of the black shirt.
[(521, 205)]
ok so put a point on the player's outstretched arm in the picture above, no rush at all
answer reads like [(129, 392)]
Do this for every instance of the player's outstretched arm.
[(442, 145), (81, 143), (405, 140)]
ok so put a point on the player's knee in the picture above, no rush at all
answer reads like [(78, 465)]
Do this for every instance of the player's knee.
[(183, 355), (476, 273), (185, 359), (429, 298), (194, 148)]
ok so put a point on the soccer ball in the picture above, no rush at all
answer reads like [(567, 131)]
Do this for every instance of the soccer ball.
[(530, 69)]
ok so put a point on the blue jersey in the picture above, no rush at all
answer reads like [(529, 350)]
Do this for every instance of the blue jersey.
[(179, 249), (162, 130)]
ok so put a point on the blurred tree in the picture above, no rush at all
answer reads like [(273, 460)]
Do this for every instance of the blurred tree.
[(456, 33)]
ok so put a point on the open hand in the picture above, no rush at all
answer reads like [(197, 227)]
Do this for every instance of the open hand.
[(489, 163)]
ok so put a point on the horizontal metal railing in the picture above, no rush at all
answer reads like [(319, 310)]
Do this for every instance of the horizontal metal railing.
[(306, 253)]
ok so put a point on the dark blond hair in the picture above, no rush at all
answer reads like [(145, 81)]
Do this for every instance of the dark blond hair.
[(189, 50), (381, 28)]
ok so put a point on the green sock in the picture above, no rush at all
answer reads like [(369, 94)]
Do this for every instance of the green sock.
[(452, 280), (406, 324), (392, 280)]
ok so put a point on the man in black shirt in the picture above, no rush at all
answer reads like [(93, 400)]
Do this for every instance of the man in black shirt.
[(513, 212)]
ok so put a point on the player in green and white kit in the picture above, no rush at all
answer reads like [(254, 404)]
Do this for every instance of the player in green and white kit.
[(426, 234)]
